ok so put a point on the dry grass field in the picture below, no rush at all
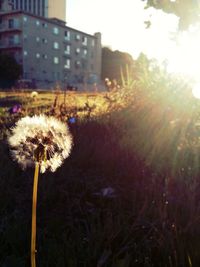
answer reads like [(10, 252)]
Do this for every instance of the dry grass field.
[(128, 195), (46, 98)]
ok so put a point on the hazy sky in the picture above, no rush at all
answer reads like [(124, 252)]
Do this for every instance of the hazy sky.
[(122, 25)]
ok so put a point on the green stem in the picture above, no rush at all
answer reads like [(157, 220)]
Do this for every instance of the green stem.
[(33, 232)]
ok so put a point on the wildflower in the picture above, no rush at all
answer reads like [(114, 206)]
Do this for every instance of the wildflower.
[(72, 120), (40, 139), (34, 94), (15, 109)]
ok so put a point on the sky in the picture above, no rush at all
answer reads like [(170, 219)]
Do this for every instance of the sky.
[(121, 23)]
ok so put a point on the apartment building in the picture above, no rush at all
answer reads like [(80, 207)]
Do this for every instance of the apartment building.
[(50, 51), (43, 8)]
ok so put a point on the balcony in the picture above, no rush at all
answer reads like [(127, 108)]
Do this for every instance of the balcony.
[(10, 45), (5, 28), (67, 54), (66, 41)]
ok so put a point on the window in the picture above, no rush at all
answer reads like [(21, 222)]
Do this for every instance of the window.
[(25, 53), (56, 60), (29, 6), (55, 30), (93, 42), (84, 64), (85, 52), (67, 35), (37, 55), (11, 23), (37, 39), (84, 40), (44, 56), (34, 9), (25, 5), (43, 8), (56, 45), (37, 23), (11, 40), (78, 50), (44, 25), (44, 40), (25, 19), (38, 7), (78, 37), (67, 64), (14, 39), (26, 75), (16, 4), (77, 64), (67, 50)]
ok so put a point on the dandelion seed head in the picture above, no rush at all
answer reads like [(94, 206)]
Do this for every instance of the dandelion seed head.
[(31, 134), (34, 94)]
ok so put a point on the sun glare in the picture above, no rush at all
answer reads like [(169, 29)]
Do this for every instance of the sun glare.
[(196, 91), (185, 57)]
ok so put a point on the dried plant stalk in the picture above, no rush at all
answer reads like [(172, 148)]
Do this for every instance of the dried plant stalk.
[(34, 212)]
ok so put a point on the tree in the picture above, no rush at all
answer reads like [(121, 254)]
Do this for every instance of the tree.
[(113, 62), (188, 11), (10, 70)]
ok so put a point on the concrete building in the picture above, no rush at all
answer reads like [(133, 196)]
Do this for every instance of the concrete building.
[(50, 51), (57, 9), (43, 8)]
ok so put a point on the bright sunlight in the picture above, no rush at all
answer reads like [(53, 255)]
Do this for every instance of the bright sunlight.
[(185, 57)]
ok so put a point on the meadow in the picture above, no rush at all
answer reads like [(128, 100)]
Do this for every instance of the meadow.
[(128, 195)]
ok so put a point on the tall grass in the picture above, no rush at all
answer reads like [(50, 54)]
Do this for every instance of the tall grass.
[(146, 150)]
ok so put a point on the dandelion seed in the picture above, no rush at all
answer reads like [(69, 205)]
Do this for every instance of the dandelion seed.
[(38, 134)]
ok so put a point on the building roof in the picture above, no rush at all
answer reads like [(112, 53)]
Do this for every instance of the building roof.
[(53, 21)]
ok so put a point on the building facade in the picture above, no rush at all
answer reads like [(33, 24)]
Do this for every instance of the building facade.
[(50, 51), (43, 8)]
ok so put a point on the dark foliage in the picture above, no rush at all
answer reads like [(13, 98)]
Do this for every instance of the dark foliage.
[(10, 70), (113, 62)]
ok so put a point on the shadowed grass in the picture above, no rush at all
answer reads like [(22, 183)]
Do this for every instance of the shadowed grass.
[(147, 153)]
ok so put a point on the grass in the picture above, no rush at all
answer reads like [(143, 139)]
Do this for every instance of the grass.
[(151, 219)]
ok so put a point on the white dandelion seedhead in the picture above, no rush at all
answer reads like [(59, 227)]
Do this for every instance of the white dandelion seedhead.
[(34, 94), (40, 139)]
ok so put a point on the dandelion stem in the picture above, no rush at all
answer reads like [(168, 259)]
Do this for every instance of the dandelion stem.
[(33, 232)]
